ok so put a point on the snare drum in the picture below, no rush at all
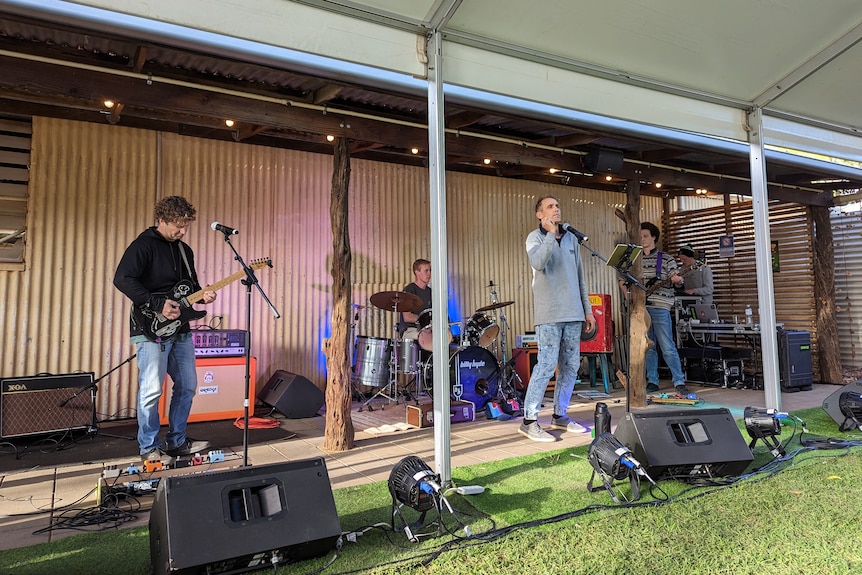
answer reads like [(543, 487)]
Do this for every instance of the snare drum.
[(426, 334), (481, 330), (372, 361)]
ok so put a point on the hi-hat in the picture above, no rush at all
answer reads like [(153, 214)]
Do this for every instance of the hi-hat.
[(400, 300), (495, 305)]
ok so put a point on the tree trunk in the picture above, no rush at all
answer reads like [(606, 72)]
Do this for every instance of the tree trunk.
[(638, 341), (824, 297), (339, 432)]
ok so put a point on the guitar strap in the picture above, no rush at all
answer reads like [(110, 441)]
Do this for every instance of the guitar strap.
[(186, 261), (658, 265)]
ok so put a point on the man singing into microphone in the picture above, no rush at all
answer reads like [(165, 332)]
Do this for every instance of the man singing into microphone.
[(561, 305), (150, 267)]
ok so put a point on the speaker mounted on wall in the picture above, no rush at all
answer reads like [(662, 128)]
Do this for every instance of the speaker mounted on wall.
[(698, 443), (294, 396), (243, 519), (603, 161), (46, 404)]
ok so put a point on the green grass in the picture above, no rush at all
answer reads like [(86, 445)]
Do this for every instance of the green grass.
[(538, 517)]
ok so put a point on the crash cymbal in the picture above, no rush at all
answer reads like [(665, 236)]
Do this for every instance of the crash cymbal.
[(403, 301), (495, 305)]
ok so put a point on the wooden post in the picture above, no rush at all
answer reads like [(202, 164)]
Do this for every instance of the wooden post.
[(638, 342), (828, 351), (339, 433)]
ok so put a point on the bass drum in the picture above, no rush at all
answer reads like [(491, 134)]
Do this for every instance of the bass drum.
[(473, 375), (372, 356)]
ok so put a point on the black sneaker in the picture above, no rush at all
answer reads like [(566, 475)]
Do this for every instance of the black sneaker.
[(682, 389), (153, 455), (652, 387), (189, 447)]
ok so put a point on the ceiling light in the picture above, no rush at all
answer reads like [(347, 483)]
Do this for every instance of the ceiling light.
[(228, 123), (486, 161), (414, 150), (658, 185), (553, 170), (330, 138), (609, 178), (109, 104)]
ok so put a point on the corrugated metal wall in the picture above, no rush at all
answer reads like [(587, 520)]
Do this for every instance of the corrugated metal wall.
[(92, 191), (848, 287), (735, 278)]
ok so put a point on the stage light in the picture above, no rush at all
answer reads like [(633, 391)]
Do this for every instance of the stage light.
[(330, 138), (229, 123), (412, 483), (611, 460), (764, 424), (850, 404)]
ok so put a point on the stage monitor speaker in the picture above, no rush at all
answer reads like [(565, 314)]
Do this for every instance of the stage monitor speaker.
[(44, 404), (686, 443), (293, 395), (604, 340), (238, 520), (830, 404), (603, 161)]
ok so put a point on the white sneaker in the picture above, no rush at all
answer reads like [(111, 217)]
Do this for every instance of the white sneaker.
[(567, 424), (536, 433)]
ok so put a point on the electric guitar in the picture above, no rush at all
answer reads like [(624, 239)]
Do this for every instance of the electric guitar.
[(656, 284), (158, 328)]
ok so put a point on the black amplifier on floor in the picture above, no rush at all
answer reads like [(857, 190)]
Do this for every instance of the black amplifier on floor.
[(219, 342), (794, 360)]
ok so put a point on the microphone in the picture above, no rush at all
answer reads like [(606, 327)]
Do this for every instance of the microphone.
[(568, 228), (224, 229)]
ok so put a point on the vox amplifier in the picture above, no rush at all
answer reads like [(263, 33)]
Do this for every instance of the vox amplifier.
[(45, 404)]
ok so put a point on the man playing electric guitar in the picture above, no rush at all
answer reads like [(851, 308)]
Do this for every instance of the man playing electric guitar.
[(153, 264), (662, 267)]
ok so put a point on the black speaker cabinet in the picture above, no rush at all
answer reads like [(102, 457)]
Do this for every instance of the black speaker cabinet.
[(794, 360), (293, 395), (830, 404), (603, 161), (238, 520), (685, 443), (44, 404)]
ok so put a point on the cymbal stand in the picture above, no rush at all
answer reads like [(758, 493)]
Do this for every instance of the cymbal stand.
[(504, 324), (390, 390)]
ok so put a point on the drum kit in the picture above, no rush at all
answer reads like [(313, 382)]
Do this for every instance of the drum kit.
[(475, 374)]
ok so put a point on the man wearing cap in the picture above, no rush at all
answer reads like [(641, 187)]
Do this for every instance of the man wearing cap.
[(697, 282)]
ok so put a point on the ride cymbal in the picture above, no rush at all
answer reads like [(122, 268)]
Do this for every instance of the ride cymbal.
[(397, 300), (495, 305)]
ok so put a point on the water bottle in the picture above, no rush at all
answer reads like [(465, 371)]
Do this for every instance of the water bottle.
[(601, 420), (749, 317)]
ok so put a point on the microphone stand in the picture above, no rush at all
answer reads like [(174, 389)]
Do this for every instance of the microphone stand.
[(622, 267), (250, 280), (94, 428)]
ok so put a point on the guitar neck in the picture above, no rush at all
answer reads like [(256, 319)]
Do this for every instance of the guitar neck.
[(667, 281)]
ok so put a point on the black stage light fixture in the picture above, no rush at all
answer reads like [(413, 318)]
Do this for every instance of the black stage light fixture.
[(850, 404), (611, 460), (764, 424), (413, 484)]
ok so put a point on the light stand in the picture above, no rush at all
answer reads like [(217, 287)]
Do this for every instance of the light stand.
[(850, 404), (764, 424), (249, 280), (613, 461)]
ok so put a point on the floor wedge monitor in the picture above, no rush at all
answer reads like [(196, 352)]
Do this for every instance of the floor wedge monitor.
[(243, 519), (296, 397), (685, 443)]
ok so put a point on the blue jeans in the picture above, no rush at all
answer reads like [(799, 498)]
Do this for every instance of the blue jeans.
[(177, 359), (661, 332), (559, 346)]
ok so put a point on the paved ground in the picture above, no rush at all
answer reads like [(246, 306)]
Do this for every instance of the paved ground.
[(29, 500)]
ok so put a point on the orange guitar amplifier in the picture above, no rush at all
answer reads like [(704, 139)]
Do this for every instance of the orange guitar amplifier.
[(221, 389), (604, 340)]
